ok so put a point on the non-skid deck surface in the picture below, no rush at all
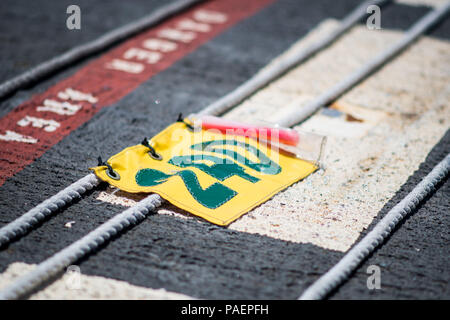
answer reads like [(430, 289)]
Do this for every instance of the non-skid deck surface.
[(379, 134)]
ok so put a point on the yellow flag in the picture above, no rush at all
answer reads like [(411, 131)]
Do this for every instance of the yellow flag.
[(209, 174)]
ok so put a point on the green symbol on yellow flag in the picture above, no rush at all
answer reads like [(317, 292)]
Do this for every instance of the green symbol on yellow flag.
[(219, 179), (265, 164), (217, 194), (212, 197)]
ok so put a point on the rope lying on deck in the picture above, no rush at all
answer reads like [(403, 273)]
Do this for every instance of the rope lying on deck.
[(266, 76), (340, 272), (78, 249), (92, 240), (92, 47), (20, 226), (340, 88), (23, 224)]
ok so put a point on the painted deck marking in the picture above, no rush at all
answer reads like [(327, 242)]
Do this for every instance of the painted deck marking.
[(75, 100)]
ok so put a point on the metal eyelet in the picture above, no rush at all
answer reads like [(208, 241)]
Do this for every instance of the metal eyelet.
[(155, 155), (152, 152), (113, 174), (110, 172)]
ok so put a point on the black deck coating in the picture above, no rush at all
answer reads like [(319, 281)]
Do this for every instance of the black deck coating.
[(187, 256), (414, 262), (35, 31)]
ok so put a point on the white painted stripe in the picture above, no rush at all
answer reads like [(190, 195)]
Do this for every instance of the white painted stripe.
[(120, 198), (402, 111), (365, 166), (430, 3), (82, 287)]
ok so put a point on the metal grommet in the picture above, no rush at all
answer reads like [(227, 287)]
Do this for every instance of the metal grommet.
[(112, 174), (155, 155)]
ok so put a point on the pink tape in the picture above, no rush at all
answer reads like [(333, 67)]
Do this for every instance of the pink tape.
[(282, 135)]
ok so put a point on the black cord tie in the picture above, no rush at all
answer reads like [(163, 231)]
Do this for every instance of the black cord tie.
[(109, 171), (155, 155), (180, 119)]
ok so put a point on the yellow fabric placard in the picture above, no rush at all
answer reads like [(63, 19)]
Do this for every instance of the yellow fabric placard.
[(209, 174)]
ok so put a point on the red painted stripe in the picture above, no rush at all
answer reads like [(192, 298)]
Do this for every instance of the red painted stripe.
[(107, 85)]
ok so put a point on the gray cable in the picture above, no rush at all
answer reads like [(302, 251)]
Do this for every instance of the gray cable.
[(26, 222), (20, 226), (269, 74), (56, 263), (339, 89), (92, 47), (339, 273)]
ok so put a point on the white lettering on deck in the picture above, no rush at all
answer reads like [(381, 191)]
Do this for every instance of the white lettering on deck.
[(48, 125), (159, 45), (61, 108), (207, 16), (152, 49), (177, 35), (74, 95), (191, 25), (140, 54), (127, 66), (14, 136), (49, 105)]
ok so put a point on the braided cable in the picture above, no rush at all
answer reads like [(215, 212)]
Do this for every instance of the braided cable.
[(269, 74), (92, 47), (343, 86), (20, 226), (95, 238), (26, 222), (340, 272), (52, 266)]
